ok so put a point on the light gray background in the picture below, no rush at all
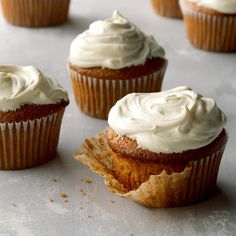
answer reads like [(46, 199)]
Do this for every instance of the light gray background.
[(212, 74)]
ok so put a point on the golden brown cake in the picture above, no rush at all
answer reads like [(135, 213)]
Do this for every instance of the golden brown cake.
[(210, 25), (134, 165), (97, 89), (111, 59), (167, 8), (31, 110), (161, 149), (35, 13)]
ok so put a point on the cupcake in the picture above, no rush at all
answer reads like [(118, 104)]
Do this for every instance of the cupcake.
[(35, 13), (210, 24), (111, 59), (168, 8), (160, 149), (31, 110)]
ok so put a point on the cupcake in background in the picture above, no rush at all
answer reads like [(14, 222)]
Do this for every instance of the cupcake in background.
[(31, 110), (35, 13), (210, 24), (160, 149), (111, 59), (167, 8)]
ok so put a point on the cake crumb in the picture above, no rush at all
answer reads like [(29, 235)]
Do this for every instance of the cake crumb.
[(64, 195), (81, 208), (88, 181), (66, 200), (55, 180), (89, 216), (13, 204), (51, 199), (83, 192)]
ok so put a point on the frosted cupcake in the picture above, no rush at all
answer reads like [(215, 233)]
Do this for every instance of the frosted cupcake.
[(35, 13), (111, 59), (211, 24), (31, 110), (161, 149), (168, 8)]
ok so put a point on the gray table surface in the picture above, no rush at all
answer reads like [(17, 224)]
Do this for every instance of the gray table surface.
[(25, 208)]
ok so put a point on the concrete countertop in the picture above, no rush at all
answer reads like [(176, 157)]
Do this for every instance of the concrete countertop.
[(25, 206)]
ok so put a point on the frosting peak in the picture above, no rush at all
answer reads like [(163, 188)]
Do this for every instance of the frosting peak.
[(20, 85), (224, 6), (113, 43), (171, 121), (117, 18)]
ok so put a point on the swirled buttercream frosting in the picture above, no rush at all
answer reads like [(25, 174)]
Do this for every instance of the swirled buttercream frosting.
[(114, 43), (223, 6), (172, 121), (20, 85)]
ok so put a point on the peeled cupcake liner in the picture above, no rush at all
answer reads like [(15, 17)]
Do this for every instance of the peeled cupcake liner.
[(168, 8), (29, 143), (96, 96), (210, 32), (192, 185), (35, 13)]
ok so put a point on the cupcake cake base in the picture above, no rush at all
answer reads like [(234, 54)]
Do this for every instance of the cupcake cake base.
[(36, 13), (190, 185), (209, 30), (96, 90), (29, 136), (167, 8)]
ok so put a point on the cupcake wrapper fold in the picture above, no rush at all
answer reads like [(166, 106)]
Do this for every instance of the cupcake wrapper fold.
[(191, 185), (29, 143), (210, 32), (35, 13), (96, 96), (168, 8)]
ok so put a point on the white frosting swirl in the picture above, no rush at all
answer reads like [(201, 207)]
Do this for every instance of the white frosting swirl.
[(113, 43), (223, 6), (171, 121), (20, 85)]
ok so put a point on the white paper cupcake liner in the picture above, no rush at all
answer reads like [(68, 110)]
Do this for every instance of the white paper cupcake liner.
[(95, 96), (191, 185), (35, 13), (29, 143), (208, 31), (168, 8)]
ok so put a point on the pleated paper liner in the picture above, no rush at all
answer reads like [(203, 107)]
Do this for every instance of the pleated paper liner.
[(95, 96), (208, 31), (191, 185), (167, 8), (29, 143), (36, 13)]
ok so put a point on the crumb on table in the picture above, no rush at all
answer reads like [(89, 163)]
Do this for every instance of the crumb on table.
[(83, 192), (55, 180), (13, 204), (51, 199), (88, 181), (64, 195)]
